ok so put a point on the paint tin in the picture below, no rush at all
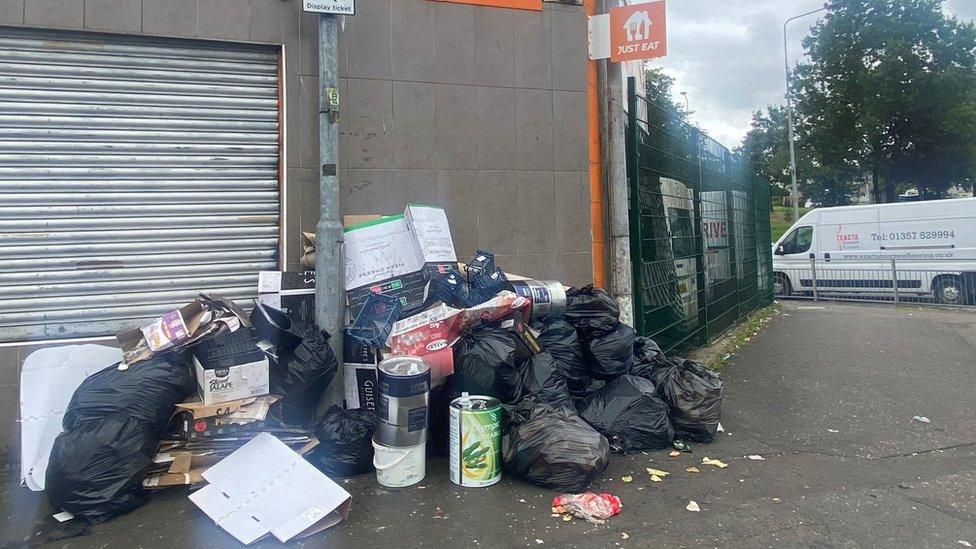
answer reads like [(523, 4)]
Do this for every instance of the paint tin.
[(548, 296), (399, 467), (476, 444), (403, 384)]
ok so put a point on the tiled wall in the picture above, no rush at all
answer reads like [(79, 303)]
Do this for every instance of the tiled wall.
[(480, 110)]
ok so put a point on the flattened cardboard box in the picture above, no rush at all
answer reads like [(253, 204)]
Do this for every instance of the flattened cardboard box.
[(266, 488)]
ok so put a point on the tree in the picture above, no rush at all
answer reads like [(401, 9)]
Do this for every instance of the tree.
[(659, 87), (889, 91)]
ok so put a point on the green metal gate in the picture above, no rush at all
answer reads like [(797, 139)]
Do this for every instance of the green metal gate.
[(699, 230)]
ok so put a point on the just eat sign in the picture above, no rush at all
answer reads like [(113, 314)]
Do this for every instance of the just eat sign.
[(638, 32)]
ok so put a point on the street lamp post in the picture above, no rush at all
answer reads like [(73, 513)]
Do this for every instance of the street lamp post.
[(687, 108), (789, 105)]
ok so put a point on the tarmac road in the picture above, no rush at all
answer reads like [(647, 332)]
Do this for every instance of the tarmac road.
[(826, 396)]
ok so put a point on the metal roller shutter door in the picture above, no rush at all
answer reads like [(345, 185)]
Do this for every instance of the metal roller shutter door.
[(134, 173)]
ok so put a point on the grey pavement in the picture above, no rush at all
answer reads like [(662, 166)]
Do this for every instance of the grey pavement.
[(826, 396)]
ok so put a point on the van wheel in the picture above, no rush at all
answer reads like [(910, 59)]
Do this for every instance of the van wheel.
[(781, 285), (948, 290)]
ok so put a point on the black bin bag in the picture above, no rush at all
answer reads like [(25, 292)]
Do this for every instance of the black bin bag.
[(95, 470), (611, 354), (552, 447), (302, 375), (591, 310), (694, 395), (345, 445), (112, 428), (647, 358), (542, 379), (487, 361), (559, 338), (147, 391), (630, 414)]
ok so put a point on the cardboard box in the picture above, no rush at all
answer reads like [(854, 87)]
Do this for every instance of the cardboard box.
[(358, 375), (290, 292), (266, 488), (383, 256), (397, 255), (433, 233), (216, 385), (198, 420)]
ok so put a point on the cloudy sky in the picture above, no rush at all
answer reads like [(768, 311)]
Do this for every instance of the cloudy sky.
[(728, 56)]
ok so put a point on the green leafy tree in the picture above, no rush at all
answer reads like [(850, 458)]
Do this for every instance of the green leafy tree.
[(889, 91), (659, 87)]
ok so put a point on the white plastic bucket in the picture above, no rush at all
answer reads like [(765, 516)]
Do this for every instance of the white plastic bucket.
[(399, 467)]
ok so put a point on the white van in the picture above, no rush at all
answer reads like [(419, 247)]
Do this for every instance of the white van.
[(933, 244)]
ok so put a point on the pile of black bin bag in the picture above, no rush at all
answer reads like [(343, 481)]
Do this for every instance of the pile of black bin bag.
[(594, 388), (116, 418)]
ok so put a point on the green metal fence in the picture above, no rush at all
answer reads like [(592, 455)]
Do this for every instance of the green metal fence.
[(699, 230)]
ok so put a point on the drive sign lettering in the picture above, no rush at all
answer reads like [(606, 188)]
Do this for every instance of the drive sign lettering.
[(337, 7)]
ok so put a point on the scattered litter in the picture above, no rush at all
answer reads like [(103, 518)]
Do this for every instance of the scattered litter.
[(674, 453), (627, 478), (682, 445), (555, 515), (567, 518), (624, 535), (595, 508), (693, 470), (777, 499), (719, 429), (693, 506), (716, 462), (756, 457), (922, 419), (539, 541), (964, 543), (521, 501), (904, 486), (63, 516), (657, 472), (655, 478), (832, 431)]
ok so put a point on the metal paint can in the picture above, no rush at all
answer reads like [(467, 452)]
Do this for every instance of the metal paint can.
[(475, 441), (548, 296), (403, 384)]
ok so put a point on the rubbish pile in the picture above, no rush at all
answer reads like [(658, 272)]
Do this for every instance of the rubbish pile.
[(504, 375)]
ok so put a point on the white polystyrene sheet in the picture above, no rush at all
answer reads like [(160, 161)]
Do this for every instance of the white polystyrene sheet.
[(48, 379)]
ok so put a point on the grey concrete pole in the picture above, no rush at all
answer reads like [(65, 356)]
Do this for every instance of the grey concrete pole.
[(621, 273), (328, 232)]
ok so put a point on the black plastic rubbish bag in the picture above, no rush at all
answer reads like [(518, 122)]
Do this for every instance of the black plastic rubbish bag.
[(591, 310), (560, 339), (95, 470), (542, 378), (552, 447), (147, 391), (647, 358), (611, 354), (630, 414), (345, 445), (694, 395), (439, 418), (302, 375), (487, 361)]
